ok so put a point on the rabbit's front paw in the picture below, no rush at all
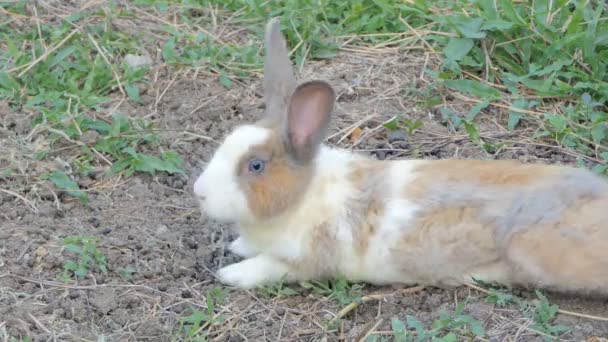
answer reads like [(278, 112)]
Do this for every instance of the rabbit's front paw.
[(241, 248), (252, 272)]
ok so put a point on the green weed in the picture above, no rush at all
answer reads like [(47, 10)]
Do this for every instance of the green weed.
[(24, 339), (127, 272), (339, 289), (400, 122), (449, 327), (544, 313), (87, 256), (544, 57), (65, 72), (192, 328), (278, 289)]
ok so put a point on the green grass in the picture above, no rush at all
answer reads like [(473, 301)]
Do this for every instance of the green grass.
[(86, 254), (65, 73), (193, 327), (447, 328), (545, 62), (338, 289), (541, 311)]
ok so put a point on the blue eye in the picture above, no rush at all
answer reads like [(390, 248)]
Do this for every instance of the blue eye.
[(256, 166)]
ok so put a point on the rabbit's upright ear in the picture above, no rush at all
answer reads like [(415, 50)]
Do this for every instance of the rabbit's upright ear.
[(308, 116), (279, 78)]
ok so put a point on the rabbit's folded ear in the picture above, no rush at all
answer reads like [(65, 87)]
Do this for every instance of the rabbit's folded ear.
[(308, 116), (279, 78)]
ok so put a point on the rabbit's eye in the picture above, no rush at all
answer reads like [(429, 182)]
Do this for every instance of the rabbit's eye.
[(256, 166)]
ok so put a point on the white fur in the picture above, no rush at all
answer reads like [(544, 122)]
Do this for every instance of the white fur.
[(287, 237), (253, 272), (398, 212), (241, 247), (217, 188)]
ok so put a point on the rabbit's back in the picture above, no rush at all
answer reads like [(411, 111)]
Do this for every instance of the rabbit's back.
[(506, 222)]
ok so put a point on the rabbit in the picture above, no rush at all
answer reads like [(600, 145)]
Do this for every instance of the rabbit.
[(309, 211)]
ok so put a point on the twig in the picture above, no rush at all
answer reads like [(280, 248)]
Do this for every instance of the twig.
[(25, 200), (161, 95), (40, 325), (205, 103), (370, 331), (352, 306), (105, 58), (561, 311)]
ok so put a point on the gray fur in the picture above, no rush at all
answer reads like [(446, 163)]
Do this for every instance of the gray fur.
[(279, 78), (512, 209)]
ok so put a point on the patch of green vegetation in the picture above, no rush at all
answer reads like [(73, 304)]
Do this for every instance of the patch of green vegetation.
[(87, 256), (23, 339), (65, 73), (127, 272), (501, 298), (193, 327), (542, 312), (544, 57), (278, 289), (338, 289), (400, 122), (448, 328)]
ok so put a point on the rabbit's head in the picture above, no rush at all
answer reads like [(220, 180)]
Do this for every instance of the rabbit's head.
[(262, 169)]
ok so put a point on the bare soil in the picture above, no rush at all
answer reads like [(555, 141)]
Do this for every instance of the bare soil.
[(153, 225)]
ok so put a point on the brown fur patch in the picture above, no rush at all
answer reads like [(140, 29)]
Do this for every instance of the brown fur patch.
[(281, 183), (442, 245), (365, 176), (569, 255), (515, 223), (492, 172)]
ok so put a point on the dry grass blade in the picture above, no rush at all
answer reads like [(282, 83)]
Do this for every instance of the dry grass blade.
[(105, 58), (373, 297), (27, 202), (44, 55)]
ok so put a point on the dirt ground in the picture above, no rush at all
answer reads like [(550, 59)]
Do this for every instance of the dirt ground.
[(153, 226)]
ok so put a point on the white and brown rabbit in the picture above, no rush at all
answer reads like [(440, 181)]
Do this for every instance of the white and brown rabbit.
[(308, 211)]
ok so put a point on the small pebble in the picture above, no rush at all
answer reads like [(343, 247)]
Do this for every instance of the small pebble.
[(235, 338), (106, 231), (396, 135), (192, 244), (94, 221), (135, 61), (162, 287), (178, 184), (280, 311), (177, 273)]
